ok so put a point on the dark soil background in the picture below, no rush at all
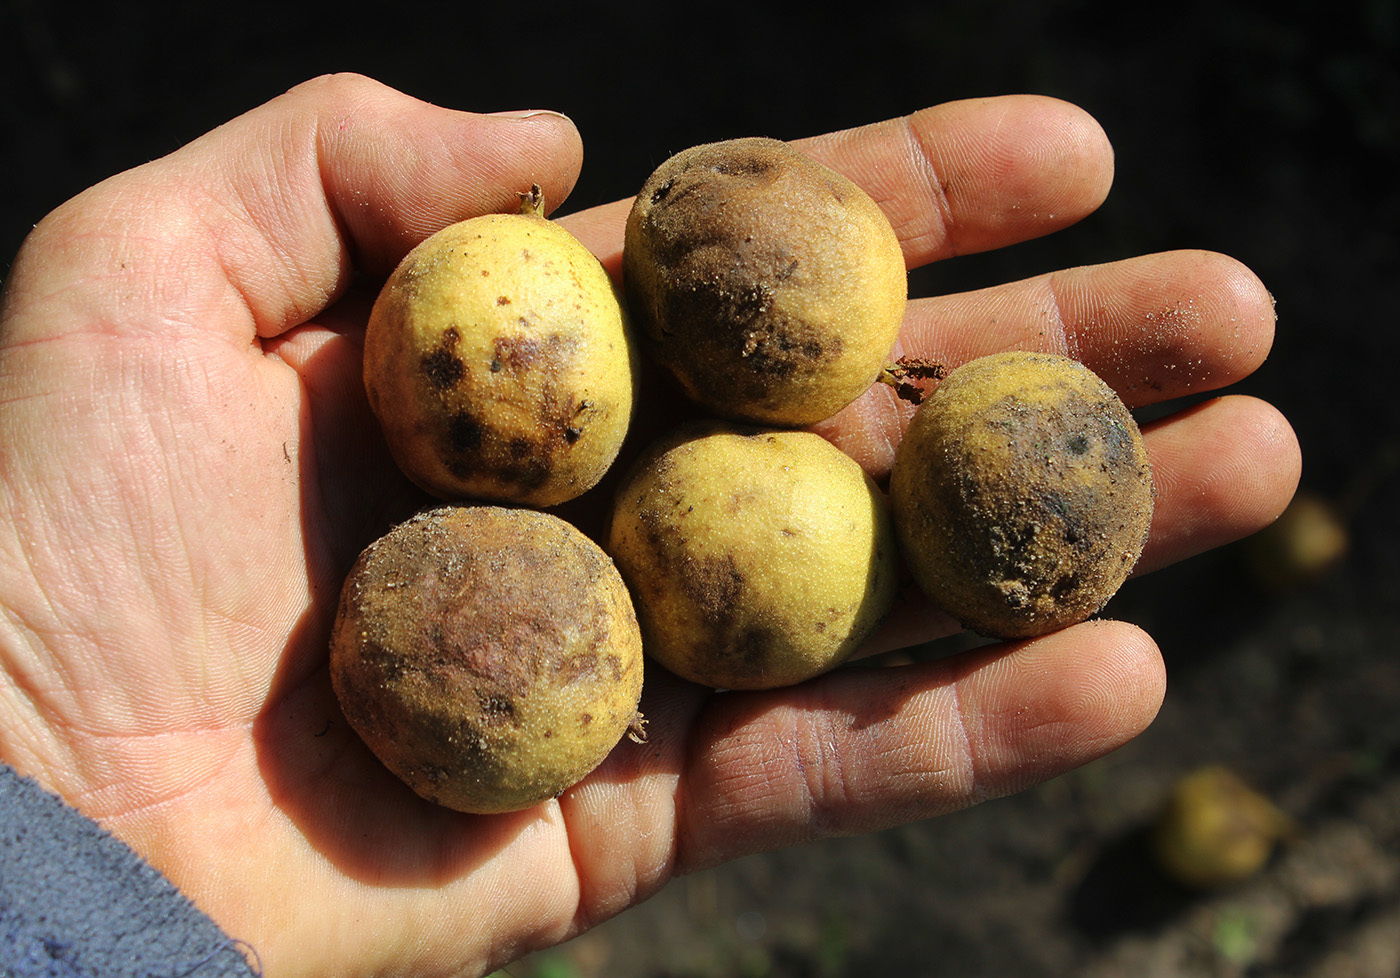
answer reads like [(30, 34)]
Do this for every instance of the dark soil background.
[(1270, 132)]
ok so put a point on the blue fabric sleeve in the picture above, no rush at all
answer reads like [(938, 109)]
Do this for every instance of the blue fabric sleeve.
[(76, 902)]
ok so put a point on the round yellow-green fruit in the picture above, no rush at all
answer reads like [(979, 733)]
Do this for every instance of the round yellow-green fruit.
[(1022, 494), (498, 364), (756, 557), (489, 656), (1216, 830), (771, 287)]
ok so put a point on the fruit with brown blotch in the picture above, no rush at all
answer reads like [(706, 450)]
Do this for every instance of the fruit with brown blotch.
[(757, 557), (490, 657), (1022, 494), (769, 285), (498, 364)]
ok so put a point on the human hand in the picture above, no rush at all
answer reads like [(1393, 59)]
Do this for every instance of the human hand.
[(188, 467)]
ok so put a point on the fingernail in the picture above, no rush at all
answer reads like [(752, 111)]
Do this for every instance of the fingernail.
[(529, 114)]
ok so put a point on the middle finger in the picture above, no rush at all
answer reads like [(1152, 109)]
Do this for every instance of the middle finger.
[(1155, 328)]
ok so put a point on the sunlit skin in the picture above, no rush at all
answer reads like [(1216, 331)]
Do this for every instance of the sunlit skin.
[(188, 467)]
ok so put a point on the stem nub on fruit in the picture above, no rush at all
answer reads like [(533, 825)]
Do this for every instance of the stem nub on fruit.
[(903, 372), (532, 201)]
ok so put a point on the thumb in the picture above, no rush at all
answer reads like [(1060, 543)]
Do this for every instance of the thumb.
[(395, 169), (273, 213)]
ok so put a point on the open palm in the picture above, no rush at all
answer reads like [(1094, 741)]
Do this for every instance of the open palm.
[(188, 466)]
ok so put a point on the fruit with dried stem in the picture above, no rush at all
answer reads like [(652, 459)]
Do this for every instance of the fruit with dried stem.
[(1022, 494), (771, 287), (498, 363)]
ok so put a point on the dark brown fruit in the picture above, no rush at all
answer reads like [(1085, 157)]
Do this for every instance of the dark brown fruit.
[(770, 286), (490, 657), (1022, 494)]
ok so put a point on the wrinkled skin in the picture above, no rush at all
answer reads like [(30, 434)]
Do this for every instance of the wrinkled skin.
[(186, 475)]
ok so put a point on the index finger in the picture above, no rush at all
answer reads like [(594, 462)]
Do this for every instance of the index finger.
[(952, 179), (976, 174)]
